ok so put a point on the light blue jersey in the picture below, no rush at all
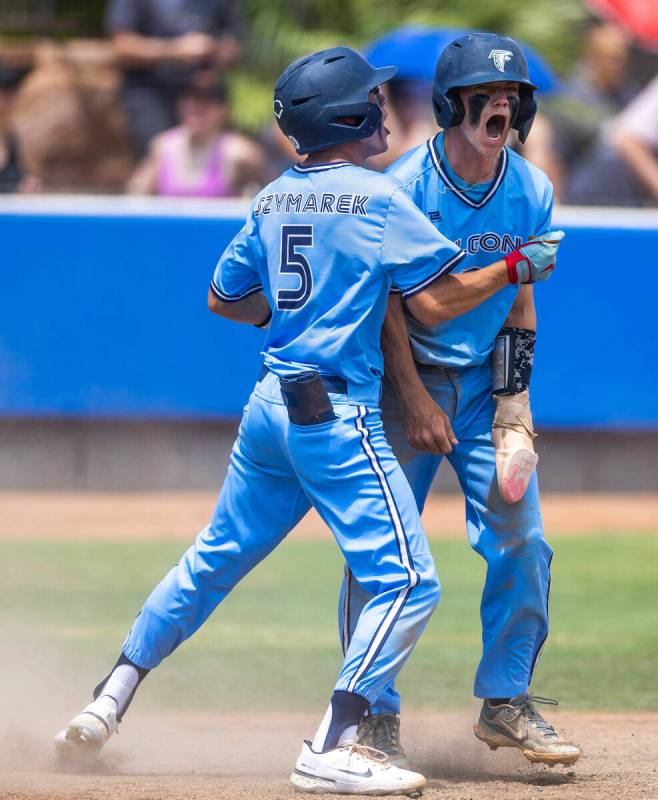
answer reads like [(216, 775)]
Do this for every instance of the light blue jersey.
[(324, 244), (486, 222)]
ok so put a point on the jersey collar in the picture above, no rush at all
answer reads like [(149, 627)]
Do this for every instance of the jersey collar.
[(321, 167), (435, 155)]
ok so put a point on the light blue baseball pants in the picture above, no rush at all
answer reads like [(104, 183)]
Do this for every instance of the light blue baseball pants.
[(514, 608), (346, 469)]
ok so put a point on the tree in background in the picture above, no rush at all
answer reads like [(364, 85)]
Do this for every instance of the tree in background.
[(277, 31), (280, 30)]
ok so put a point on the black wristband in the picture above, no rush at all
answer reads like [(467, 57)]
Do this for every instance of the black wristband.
[(266, 321), (513, 355)]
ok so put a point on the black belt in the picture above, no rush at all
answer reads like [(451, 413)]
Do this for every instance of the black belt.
[(332, 382), (420, 367)]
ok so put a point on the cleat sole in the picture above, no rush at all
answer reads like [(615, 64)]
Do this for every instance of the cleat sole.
[(550, 759), (302, 783), (316, 785)]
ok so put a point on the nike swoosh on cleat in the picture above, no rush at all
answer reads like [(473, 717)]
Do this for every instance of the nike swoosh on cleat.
[(367, 774), (311, 775)]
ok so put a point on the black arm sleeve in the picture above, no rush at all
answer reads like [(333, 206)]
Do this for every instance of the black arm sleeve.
[(512, 358)]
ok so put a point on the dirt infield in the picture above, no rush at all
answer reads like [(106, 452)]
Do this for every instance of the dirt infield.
[(248, 756), (174, 515), (243, 756)]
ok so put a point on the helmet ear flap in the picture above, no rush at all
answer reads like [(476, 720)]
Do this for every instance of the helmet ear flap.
[(368, 114), (448, 108), (526, 113), (458, 110)]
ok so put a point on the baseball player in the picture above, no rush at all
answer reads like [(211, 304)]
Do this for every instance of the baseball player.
[(438, 399), (315, 261)]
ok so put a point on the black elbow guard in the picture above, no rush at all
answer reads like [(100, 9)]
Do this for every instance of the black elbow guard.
[(513, 354)]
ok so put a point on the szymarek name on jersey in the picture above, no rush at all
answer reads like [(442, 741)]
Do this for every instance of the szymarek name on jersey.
[(326, 203)]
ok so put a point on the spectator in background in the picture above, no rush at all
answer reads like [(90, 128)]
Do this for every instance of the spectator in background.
[(14, 175), (622, 168), (280, 153), (160, 45), (201, 157), (597, 91), (541, 150), (634, 139)]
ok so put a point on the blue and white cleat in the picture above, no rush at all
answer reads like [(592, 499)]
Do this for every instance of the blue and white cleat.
[(85, 735), (353, 769)]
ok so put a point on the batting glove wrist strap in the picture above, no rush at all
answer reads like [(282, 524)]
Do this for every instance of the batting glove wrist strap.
[(535, 260), (518, 269), (512, 358)]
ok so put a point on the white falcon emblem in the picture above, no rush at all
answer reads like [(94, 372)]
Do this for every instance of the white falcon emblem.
[(278, 108), (500, 57)]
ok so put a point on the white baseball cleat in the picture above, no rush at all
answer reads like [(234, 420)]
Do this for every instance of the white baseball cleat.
[(83, 738), (353, 769)]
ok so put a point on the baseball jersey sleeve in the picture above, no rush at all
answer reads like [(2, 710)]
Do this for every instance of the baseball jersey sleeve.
[(413, 252), (238, 272), (545, 217)]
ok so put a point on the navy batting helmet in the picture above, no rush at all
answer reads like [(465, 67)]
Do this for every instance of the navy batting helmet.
[(481, 58), (322, 99)]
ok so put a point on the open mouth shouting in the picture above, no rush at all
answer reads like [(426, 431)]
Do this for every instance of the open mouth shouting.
[(496, 127)]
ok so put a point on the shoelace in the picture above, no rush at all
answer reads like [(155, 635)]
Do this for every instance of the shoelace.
[(529, 710), (370, 753)]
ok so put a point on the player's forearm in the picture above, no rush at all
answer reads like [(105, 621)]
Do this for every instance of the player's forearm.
[(523, 314), (252, 310), (399, 362), (455, 294), (639, 158)]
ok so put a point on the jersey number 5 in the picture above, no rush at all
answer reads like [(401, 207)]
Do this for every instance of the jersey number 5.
[(294, 263)]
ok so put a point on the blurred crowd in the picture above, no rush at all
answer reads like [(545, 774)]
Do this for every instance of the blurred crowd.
[(146, 111)]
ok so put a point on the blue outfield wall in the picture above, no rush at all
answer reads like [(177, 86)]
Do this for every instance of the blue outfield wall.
[(103, 314)]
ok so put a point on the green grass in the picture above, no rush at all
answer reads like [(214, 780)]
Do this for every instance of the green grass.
[(273, 643)]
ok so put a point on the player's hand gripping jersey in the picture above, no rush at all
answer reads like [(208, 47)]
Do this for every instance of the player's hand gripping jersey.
[(325, 244), (487, 222)]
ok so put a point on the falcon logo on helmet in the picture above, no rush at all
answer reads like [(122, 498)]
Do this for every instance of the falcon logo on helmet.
[(499, 58)]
